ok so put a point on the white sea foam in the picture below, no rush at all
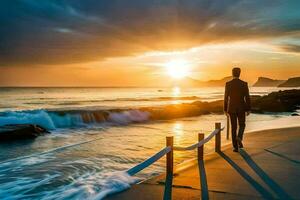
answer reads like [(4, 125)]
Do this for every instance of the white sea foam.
[(53, 120), (95, 186), (90, 185), (115, 182), (127, 117), (39, 117)]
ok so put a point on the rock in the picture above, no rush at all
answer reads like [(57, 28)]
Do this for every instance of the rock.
[(282, 101), (267, 82), (291, 82), (295, 114), (20, 131)]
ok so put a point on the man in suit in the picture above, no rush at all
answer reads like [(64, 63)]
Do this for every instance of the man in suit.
[(237, 106)]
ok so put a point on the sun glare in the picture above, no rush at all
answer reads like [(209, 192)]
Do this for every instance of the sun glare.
[(177, 69), (176, 91)]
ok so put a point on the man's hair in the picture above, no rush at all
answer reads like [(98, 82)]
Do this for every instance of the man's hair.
[(236, 72)]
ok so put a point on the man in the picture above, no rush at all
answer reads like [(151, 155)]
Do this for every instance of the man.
[(237, 105)]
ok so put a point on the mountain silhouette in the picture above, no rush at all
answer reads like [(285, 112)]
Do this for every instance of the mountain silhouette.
[(267, 82), (291, 82), (190, 82)]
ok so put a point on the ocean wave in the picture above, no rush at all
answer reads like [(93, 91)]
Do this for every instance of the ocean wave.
[(184, 98), (92, 183), (53, 119), (115, 182), (57, 119)]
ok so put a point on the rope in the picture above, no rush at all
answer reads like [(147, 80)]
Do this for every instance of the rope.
[(132, 171), (168, 131), (199, 144)]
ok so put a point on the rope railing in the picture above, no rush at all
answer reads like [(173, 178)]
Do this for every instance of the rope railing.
[(199, 144), (146, 163), (169, 149)]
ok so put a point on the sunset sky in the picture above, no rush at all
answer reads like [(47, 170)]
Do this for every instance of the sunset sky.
[(145, 42)]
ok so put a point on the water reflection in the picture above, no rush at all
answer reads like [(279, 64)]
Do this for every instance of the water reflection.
[(179, 140), (177, 129), (176, 92)]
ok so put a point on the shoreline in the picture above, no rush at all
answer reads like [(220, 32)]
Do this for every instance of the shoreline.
[(208, 157)]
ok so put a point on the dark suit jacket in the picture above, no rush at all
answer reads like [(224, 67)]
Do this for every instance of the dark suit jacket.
[(236, 98)]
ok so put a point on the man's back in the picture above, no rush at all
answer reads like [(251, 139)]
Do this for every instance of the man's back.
[(237, 105), (236, 97)]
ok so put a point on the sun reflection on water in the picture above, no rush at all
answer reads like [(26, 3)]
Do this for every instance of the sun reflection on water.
[(177, 130), (176, 91), (179, 140)]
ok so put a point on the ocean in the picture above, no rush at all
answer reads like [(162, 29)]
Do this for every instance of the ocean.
[(97, 133)]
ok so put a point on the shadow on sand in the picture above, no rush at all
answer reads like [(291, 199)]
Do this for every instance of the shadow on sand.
[(168, 187), (281, 194), (203, 180), (264, 177), (203, 183), (264, 192), (283, 156)]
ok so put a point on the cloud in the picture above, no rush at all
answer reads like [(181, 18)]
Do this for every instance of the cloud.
[(291, 48), (73, 31)]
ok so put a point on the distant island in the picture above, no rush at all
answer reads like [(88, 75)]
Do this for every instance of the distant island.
[(291, 82), (261, 82), (267, 82), (190, 82)]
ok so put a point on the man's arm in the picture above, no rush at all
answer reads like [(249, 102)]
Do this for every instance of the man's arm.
[(226, 99), (247, 99)]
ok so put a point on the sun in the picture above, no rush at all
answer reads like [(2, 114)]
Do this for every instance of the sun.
[(177, 69)]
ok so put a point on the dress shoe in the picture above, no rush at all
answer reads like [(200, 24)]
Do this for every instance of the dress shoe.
[(240, 143)]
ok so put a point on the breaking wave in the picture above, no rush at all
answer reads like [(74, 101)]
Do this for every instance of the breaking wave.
[(57, 119), (51, 119)]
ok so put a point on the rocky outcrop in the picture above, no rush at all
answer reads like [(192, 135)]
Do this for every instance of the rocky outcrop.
[(291, 82), (267, 82), (282, 101), (20, 131)]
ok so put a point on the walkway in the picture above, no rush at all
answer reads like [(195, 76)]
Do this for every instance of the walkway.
[(268, 168)]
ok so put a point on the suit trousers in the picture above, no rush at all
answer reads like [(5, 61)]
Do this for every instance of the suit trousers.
[(238, 118)]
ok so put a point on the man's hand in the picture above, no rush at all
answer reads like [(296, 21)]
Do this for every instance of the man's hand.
[(248, 113)]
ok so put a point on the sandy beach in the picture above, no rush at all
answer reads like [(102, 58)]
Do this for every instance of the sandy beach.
[(267, 168)]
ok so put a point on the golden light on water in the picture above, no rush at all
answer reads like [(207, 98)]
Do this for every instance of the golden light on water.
[(177, 129), (177, 69), (176, 91)]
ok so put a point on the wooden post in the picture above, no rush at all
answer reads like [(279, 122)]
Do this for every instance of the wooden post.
[(169, 160), (218, 138), (227, 128), (200, 149)]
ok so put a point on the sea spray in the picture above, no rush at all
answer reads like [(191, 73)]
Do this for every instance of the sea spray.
[(52, 120), (285, 101), (92, 183), (130, 116), (39, 117), (115, 182)]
